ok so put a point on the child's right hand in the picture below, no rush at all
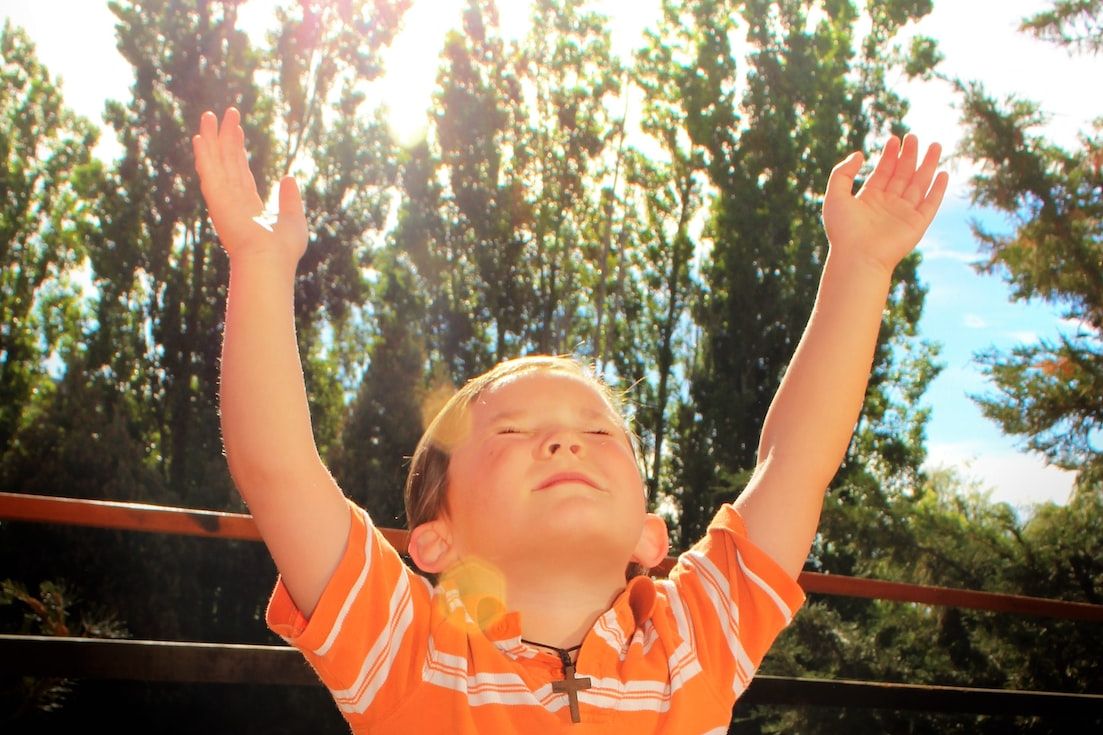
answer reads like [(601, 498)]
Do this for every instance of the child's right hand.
[(231, 194)]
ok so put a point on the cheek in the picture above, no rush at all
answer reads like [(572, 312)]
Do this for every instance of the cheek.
[(491, 469), (505, 455), (621, 452)]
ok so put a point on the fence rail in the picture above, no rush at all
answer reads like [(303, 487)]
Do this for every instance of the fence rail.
[(214, 663), (217, 524), (179, 661)]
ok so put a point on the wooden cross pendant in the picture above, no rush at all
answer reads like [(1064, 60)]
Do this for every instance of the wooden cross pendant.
[(571, 686)]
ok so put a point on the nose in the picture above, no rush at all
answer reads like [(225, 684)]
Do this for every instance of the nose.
[(559, 440)]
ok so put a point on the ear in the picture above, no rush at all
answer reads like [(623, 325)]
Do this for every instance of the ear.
[(431, 547), (654, 542)]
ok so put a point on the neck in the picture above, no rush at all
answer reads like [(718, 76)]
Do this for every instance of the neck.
[(558, 609)]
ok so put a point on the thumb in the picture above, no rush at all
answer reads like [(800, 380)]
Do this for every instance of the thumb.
[(841, 182), (291, 201)]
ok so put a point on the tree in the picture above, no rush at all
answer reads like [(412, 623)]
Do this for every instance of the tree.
[(133, 416), (49, 612), (46, 152), (768, 124), (656, 288), (503, 224), (160, 274), (949, 532), (1073, 23), (1046, 393), (325, 54), (664, 195), (160, 277), (386, 417), (461, 221), (568, 64)]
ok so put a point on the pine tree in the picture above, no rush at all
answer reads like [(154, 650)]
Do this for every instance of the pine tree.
[(1046, 393)]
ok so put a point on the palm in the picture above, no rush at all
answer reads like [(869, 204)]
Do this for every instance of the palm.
[(886, 219), (230, 192)]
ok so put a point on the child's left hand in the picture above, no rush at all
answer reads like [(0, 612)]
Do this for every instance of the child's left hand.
[(885, 220)]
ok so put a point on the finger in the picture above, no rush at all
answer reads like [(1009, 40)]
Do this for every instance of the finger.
[(841, 182), (921, 182), (205, 145), (234, 157), (886, 165), (208, 165), (930, 204), (228, 143), (905, 166), (240, 163)]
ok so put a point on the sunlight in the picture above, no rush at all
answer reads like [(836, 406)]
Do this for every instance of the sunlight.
[(411, 63), (413, 60)]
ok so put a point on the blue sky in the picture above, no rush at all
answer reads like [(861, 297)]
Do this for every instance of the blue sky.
[(966, 312)]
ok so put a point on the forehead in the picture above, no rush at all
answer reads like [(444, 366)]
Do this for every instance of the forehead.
[(539, 389)]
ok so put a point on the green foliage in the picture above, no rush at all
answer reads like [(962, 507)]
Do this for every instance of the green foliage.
[(385, 419), (467, 256), (1046, 393), (134, 416), (45, 152), (504, 222), (50, 612), (950, 534), (163, 278), (766, 125), (656, 332), (1074, 23)]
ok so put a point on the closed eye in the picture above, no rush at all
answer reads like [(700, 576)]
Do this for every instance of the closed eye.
[(600, 432)]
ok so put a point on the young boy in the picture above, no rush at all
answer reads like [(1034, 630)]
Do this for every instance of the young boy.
[(525, 498)]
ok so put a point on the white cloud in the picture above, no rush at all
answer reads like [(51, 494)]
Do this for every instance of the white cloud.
[(1026, 68), (974, 321), (1024, 337), (938, 251), (1019, 479)]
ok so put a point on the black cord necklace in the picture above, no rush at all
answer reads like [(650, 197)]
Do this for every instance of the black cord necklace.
[(570, 684), (564, 653)]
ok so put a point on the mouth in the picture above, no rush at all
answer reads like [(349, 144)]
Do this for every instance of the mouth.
[(564, 478)]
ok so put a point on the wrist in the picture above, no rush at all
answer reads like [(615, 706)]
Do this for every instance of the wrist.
[(859, 268), (263, 264), (854, 282)]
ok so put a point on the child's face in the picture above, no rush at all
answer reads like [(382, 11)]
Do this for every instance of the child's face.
[(546, 466)]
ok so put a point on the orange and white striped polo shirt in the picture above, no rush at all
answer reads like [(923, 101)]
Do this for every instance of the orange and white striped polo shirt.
[(670, 656)]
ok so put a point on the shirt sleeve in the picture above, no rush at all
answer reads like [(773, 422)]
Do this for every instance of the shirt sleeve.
[(735, 601), (367, 637)]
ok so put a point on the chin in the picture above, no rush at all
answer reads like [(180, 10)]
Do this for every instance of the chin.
[(590, 535)]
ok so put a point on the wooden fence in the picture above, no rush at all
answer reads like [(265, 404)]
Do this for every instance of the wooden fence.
[(177, 661)]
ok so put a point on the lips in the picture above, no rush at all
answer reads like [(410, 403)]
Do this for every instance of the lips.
[(565, 477)]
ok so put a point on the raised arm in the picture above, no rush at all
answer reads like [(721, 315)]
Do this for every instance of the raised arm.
[(813, 415), (266, 430)]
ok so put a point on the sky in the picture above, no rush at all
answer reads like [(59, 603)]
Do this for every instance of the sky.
[(965, 311)]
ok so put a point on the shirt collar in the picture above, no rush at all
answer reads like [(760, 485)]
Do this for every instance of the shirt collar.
[(479, 589)]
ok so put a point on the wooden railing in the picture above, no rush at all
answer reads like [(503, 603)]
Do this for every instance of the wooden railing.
[(279, 665)]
